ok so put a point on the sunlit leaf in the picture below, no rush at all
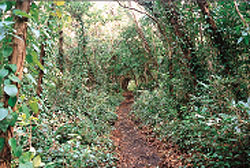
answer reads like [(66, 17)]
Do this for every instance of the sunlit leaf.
[(21, 13), (3, 73), (7, 82), (12, 143), (26, 111), (34, 106), (3, 7), (2, 36), (26, 165), (13, 67), (239, 40), (58, 13), (14, 78), (37, 161), (7, 51), (18, 152), (36, 61), (36, 33), (29, 76), (59, 3), (3, 113), (11, 90)]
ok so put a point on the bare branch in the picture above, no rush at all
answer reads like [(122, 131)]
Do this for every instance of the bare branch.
[(161, 29), (141, 12), (241, 16)]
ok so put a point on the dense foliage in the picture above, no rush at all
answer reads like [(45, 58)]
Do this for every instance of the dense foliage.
[(212, 126)]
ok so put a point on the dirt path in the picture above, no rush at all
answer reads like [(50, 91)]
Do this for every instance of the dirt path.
[(132, 148)]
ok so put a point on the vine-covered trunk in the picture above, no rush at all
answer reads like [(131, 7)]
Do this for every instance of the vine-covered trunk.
[(224, 57), (17, 57), (187, 46), (165, 39)]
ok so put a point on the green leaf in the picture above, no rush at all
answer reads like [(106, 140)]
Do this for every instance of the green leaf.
[(12, 143), (9, 4), (12, 101), (3, 113), (4, 126), (14, 78), (13, 118), (26, 157), (2, 140), (37, 161), (3, 73), (244, 33), (36, 33), (39, 65), (21, 13), (18, 152), (26, 165), (29, 58), (11, 90), (34, 12), (3, 7), (239, 40), (7, 51), (29, 76), (36, 61), (246, 40), (26, 111), (34, 106), (13, 67), (7, 82), (6, 23), (2, 36), (36, 48)]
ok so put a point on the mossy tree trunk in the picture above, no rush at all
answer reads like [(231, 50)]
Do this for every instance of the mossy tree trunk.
[(17, 57)]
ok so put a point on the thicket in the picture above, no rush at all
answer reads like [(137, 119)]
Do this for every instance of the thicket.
[(65, 109), (207, 118)]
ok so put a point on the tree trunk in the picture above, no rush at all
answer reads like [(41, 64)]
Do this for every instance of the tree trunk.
[(142, 36), (166, 41), (223, 56), (61, 53), (39, 89), (187, 46), (17, 57)]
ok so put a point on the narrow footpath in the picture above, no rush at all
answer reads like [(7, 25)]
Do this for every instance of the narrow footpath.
[(131, 145)]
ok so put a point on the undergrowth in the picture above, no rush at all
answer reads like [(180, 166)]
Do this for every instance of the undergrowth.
[(212, 128), (73, 128)]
